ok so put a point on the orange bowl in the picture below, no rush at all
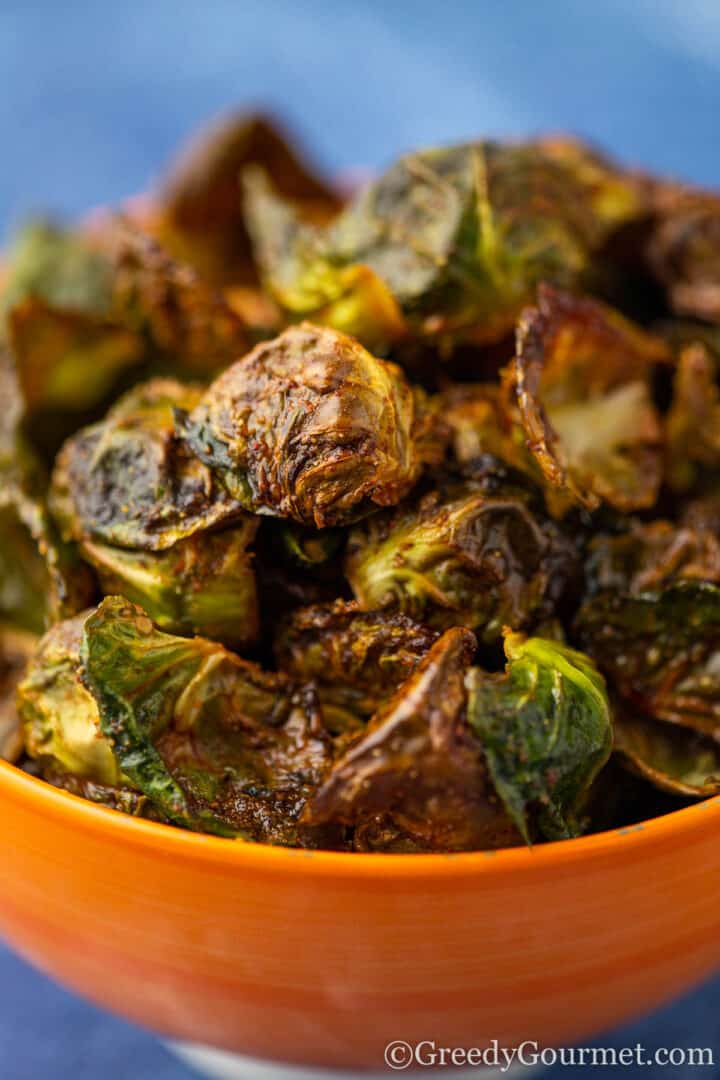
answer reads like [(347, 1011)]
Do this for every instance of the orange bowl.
[(322, 959)]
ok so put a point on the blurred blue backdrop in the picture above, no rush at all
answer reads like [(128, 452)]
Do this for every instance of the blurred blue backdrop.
[(96, 97)]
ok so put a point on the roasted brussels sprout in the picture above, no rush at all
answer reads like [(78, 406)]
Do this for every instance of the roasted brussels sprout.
[(461, 555), (200, 200), (416, 779), (447, 245), (141, 510), (370, 530), (312, 427), (357, 658), (86, 314), (545, 727), (659, 651), (214, 742), (582, 381)]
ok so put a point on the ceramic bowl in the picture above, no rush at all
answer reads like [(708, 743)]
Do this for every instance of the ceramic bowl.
[(321, 959)]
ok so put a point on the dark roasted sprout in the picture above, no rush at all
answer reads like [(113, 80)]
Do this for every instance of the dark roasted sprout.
[(367, 526), (312, 427), (463, 555), (447, 245)]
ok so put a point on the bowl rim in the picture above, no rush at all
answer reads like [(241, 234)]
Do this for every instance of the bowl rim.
[(74, 810)]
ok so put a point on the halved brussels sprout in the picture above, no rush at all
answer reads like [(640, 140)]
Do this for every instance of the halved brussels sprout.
[(448, 244), (312, 427), (416, 779), (546, 729), (357, 658), (213, 741), (200, 200), (129, 481), (581, 379), (463, 556), (660, 651), (204, 584), (672, 758), (16, 648)]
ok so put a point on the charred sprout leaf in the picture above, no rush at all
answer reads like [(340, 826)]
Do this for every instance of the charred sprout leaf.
[(462, 556), (130, 482), (649, 557), (416, 779), (204, 584), (693, 422), (581, 378), (312, 427), (201, 210), (672, 758), (16, 648), (60, 719), (660, 651), (456, 239), (546, 729), (41, 577), (214, 742), (357, 658), (684, 250)]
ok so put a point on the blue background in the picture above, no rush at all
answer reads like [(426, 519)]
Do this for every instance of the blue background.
[(96, 96)]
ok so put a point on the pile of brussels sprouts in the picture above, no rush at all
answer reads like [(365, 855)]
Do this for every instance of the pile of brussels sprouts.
[(381, 523)]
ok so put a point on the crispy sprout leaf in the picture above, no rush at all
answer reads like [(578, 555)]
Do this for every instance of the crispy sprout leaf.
[(357, 658), (213, 741), (130, 482), (60, 718), (660, 651), (546, 729), (312, 427), (672, 758), (462, 556), (581, 379), (456, 238), (416, 779)]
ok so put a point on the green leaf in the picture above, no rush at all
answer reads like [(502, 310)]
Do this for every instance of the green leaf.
[(214, 742), (546, 729)]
